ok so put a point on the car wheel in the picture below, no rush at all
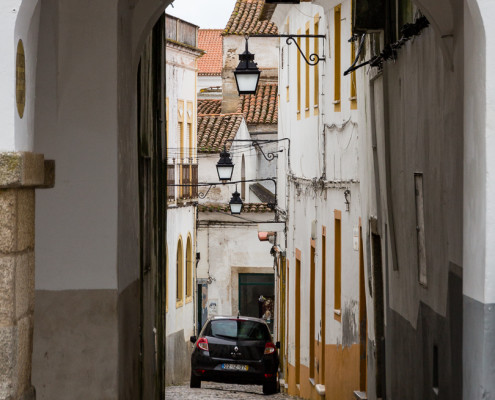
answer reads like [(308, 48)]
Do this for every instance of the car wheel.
[(195, 382), (270, 387)]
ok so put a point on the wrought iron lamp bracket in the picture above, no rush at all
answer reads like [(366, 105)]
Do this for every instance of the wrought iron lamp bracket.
[(312, 59), (257, 144), (203, 195)]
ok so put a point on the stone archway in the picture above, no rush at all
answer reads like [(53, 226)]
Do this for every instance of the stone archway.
[(79, 71)]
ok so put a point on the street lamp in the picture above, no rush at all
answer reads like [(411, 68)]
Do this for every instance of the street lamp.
[(235, 203), (247, 73), (225, 167)]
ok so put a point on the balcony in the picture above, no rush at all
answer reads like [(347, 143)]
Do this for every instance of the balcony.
[(182, 174)]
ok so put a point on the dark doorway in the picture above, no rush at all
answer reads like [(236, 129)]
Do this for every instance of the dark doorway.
[(202, 304), (257, 296)]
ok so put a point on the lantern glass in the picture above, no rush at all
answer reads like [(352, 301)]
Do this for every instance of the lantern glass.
[(235, 209), (235, 203), (225, 166), (247, 81), (225, 172)]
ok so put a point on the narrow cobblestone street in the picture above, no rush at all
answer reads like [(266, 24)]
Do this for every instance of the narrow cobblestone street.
[(220, 391)]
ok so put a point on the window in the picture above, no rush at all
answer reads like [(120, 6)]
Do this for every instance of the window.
[(316, 70), (353, 93), (420, 229), (180, 129), (297, 317), (167, 129), (337, 22), (179, 289), (312, 311), (190, 130), (180, 121), (338, 264), (243, 178), (189, 270), (323, 301)]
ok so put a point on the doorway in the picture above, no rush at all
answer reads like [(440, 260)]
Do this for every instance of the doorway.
[(257, 296)]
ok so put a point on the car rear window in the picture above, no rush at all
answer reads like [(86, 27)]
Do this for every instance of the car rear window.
[(238, 330)]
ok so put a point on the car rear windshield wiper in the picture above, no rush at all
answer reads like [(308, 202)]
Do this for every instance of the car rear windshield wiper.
[(225, 336)]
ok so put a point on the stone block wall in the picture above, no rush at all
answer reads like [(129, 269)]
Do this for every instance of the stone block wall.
[(20, 173)]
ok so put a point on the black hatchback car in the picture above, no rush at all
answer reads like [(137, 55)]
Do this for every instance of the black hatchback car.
[(235, 350)]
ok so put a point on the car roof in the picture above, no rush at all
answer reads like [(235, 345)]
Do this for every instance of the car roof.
[(240, 317)]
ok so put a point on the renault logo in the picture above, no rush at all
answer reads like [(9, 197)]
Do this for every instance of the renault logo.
[(236, 349)]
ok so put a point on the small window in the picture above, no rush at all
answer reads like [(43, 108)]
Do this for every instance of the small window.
[(420, 229)]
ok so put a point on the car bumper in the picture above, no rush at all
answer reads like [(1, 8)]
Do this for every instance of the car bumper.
[(210, 369)]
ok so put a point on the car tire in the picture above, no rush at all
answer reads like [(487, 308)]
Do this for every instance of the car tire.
[(270, 387), (195, 382)]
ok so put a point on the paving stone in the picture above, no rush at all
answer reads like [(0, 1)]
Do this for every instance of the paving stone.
[(210, 390)]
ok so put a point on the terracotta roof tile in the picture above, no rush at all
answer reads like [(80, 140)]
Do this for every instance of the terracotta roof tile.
[(245, 19), (247, 208), (215, 129), (209, 107), (210, 40), (262, 107)]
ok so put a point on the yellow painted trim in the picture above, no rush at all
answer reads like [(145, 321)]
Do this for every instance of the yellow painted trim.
[(337, 60), (166, 278), (179, 295), (189, 299), (307, 86), (298, 76), (337, 265), (178, 303), (316, 70), (189, 273)]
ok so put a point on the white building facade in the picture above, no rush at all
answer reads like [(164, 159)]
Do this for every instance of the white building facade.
[(182, 167), (319, 193)]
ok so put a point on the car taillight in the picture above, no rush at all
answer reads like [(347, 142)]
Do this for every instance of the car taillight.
[(270, 348), (202, 344)]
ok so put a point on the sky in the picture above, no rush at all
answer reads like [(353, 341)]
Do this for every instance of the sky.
[(207, 14)]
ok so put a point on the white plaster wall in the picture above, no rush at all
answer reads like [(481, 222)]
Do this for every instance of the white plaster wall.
[(27, 27), (205, 82), (226, 246), (9, 10), (328, 155), (305, 208), (76, 125), (180, 223), (181, 76), (262, 48), (479, 141)]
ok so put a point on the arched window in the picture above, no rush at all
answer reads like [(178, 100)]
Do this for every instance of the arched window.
[(243, 178), (189, 269), (180, 274)]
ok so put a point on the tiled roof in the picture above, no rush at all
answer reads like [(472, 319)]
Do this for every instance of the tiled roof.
[(209, 107), (262, 107), (210, 40), (248, 207), (245, 19), (214, 130)]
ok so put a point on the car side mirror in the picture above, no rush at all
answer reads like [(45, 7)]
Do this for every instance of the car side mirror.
[(193, 339), (277, 345)]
